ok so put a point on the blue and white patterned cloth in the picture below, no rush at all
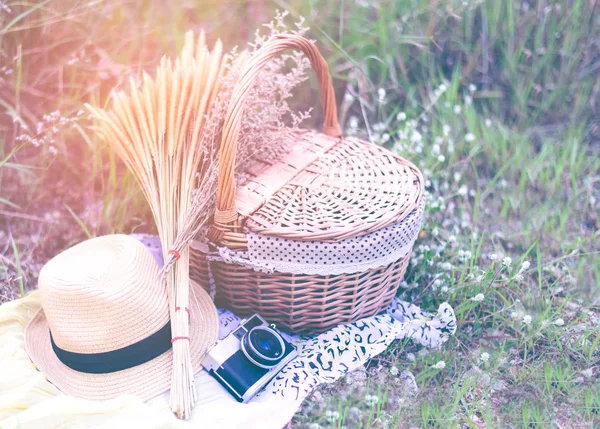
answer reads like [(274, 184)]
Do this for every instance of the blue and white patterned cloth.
[(327, 357)]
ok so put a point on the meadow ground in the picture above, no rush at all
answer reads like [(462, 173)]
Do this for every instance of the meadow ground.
[(496, 101)]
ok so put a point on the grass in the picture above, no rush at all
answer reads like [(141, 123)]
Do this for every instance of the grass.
[(497, 102)]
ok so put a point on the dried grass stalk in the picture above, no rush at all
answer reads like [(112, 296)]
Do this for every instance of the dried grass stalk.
[(264, 133), (158, 131)]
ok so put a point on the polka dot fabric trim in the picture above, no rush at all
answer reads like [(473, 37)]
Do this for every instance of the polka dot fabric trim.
[(358, 254)]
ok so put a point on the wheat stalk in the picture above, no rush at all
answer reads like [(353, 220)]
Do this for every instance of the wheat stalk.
[(157, 129)]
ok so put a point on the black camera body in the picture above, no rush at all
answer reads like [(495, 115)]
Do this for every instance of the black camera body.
[(249, 357)]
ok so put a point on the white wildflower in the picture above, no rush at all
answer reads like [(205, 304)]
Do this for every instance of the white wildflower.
[(507, 261), (332, 416), (435, 231), (514, 315), (478, 298), (468, 100), (463, 190), (440, 365), (401, 116), (465, 255), (416, 137), (485, 356), (470, 137), (446, 129), (519, 277), (488, 122), (472, 88), (381, 92), (524, 266), (446, 266), (493, 257), (527, 319), (379, 126), (457, 109), (353, 122), (371, 400), (394, 371), (559, 322), (442, 88), (452, 239), (441, 158)]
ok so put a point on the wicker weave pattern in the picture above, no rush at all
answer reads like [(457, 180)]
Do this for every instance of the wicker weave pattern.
[(301, 303), (325, 189), (353, 189)]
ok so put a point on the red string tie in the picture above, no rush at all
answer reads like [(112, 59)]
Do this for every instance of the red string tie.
[(186, 309), (174, 253), (179, 338)]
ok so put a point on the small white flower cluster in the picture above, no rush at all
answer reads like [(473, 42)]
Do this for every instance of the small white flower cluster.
[(371, 400), (446, 266), (440, 90), (48, 130), (438, 284), (524, 267), (527, 320), (332, 416), (465, 255), (394, 371), (440, 365), (485, 356), (410, 136), (381, 92), (478, 298)]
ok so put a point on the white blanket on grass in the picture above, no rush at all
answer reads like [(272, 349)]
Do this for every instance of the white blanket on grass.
[(28, 400)]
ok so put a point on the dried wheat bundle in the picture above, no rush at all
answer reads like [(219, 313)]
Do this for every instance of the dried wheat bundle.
[(157, 129), (264, 133)]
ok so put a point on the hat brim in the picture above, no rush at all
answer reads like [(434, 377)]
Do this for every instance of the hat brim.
[(146, 380)]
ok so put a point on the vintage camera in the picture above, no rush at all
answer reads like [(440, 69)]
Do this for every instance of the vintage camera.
[(249, 357)]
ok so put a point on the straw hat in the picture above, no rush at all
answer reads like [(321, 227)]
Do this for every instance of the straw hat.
[(103, 329)]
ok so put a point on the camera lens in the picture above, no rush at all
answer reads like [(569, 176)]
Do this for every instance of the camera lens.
[(263, 346)]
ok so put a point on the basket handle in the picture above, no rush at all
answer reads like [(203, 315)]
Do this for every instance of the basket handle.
[(226, 211)]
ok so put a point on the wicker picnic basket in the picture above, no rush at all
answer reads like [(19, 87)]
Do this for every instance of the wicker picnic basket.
[(318, 237)]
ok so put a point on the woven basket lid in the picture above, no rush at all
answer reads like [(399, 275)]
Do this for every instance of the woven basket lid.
[(354, 188), (327, 188)]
